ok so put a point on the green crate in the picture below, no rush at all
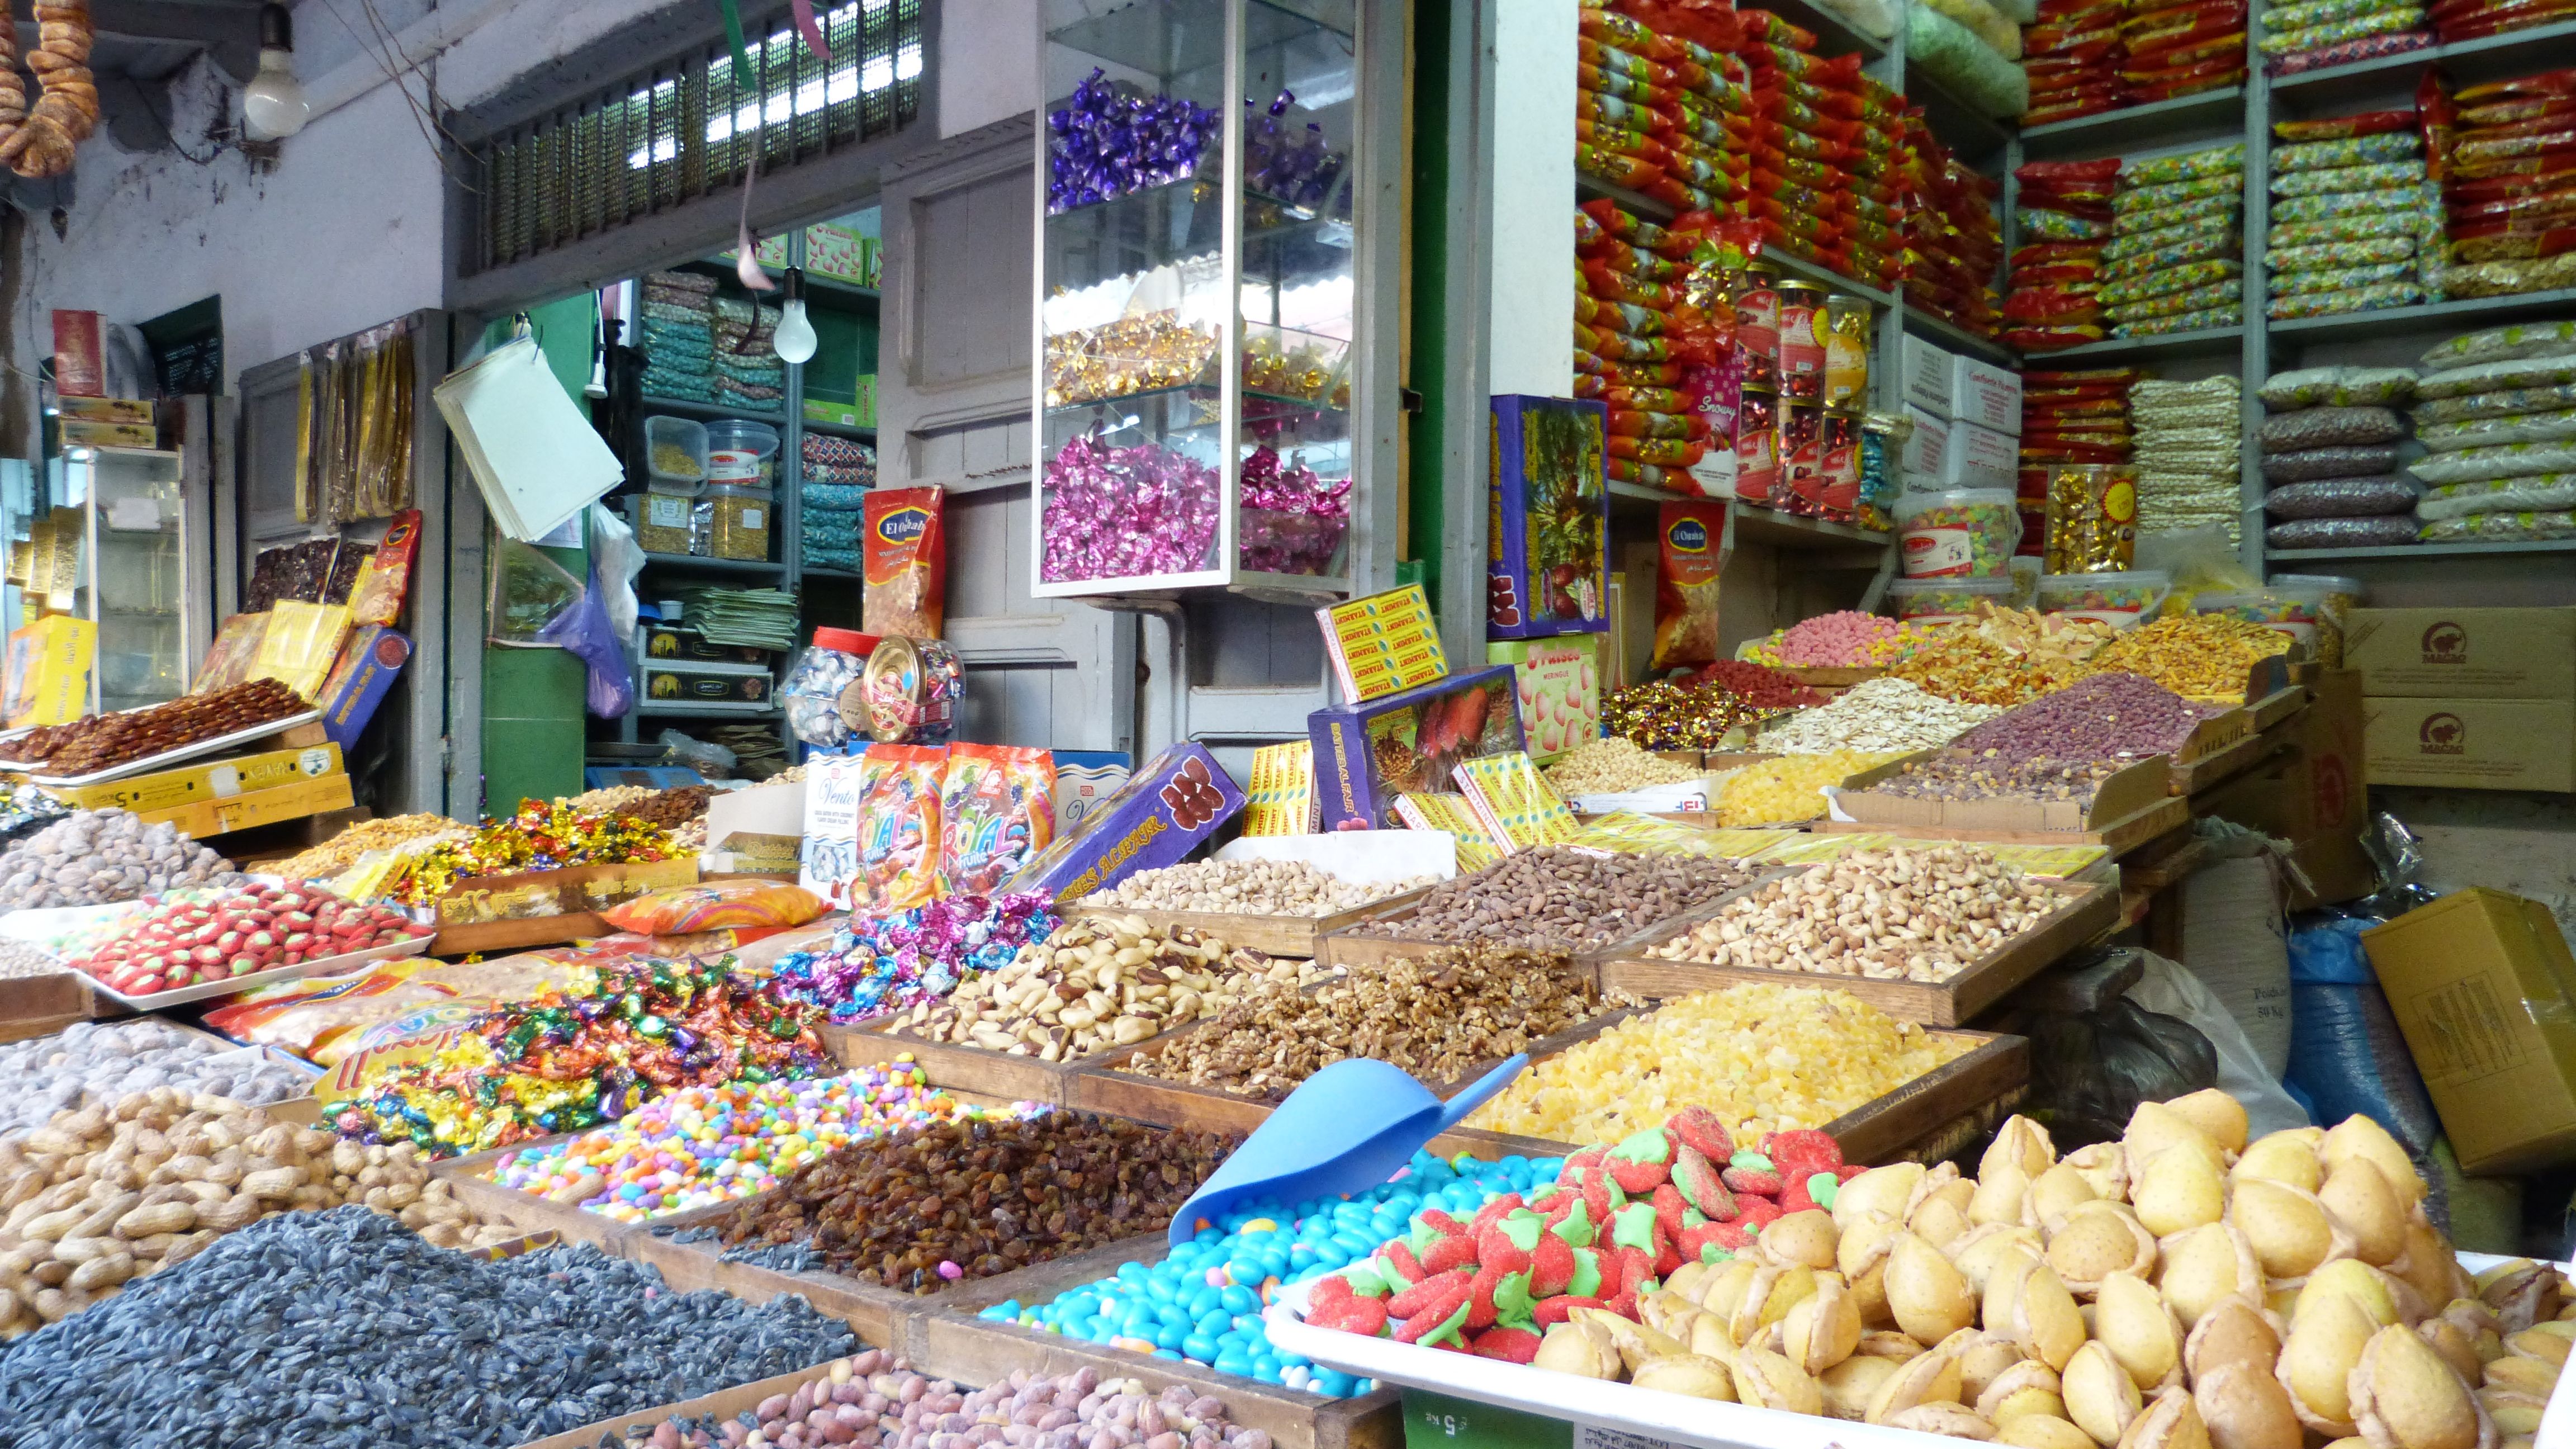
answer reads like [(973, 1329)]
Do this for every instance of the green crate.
[(1437, 1421)]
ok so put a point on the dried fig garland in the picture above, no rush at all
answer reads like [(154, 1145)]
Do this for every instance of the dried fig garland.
[(40, 145), (973, 1199)]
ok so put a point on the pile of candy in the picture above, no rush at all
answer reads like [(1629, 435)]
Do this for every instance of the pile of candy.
[(883, 963), (342, 851), (1618, 1219), (539, 837), (1662, 715), (1845, 639), (705, 1145), (561, 1063), (1757, 686), (256, 929), (1964, 667), (1204, 1301), (1790, 788), (2201, 655), (2108, 715)]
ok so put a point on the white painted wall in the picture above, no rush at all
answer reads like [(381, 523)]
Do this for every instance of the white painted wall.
[(1531, 224)]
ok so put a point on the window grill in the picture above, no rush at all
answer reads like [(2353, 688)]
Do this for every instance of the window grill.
[(686, 129)]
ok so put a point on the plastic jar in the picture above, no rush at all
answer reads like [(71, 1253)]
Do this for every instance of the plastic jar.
[(675, 456), (739, 519), (1947, 600), (1957, 532), (664, 522), (2294, 612), (740, 451), (2123, 597), (824, 668)]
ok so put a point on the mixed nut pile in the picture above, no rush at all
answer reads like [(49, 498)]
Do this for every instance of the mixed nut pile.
[(1561, 899), (97, 857), (1093, 985), (1899, 914), (1248, 887), (1977, 777)]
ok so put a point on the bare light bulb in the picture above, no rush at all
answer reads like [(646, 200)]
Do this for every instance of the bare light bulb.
[(794, 341), (273, 106)]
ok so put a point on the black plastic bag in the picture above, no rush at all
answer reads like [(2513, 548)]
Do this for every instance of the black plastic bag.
[(2095, 1055)]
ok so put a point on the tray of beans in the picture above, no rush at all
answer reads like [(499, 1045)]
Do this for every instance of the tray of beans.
[(1555, 898), (1283, 907), (1931, 933)]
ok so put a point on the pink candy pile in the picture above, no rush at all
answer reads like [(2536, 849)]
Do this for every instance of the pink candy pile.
[(1839, 640)]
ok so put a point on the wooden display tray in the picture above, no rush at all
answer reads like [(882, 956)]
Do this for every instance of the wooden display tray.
[(955, 1065), (1355, 948), (2094, 910), (878, 1314), (2118, 836), (1273, 935), (33, 1006), (2128, 791), (575, 890), (723, 1404), (490, 936)]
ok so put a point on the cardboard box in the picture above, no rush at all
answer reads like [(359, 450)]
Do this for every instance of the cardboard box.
[(1980, 458), (1927, 377), (1985, 395), (369, 664), (2478, 981), (1367, 754), (49, 665), (209, 780), (1181, 797), (2471, 744), (1557, 683), (2464, 653), (77, 433), (2315, 796), (1927, 448), (1084, 781), (1380, 643), (690, 645), (202, 818), (107, 410), (761, 828), (1546, 475), (80, 354), (703, 683), (574, 890)]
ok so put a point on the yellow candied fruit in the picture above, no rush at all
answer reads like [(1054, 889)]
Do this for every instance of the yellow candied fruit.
[(1764, 1058), (1789, 788), (2203, 655)]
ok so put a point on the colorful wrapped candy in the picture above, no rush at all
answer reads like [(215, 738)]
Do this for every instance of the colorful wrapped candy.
[(540, 836), (1104, 143), (878, 964)]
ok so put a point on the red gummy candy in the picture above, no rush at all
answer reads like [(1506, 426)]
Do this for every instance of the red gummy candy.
[(1455, 1251), (1699, 1129), (1400, 1256), (1480, 1296), (1816, 1151), (1752, 1180), (1693, 1240), (1759, 1213), (1596, 1196), (1551, 1267), (1700, 1185), (1365, 1316), (1638, 1178), (1441, 1222), (1734, 1237), (1669, 1203), (1625, 1305), (1412, 1329), (1413, 1300), (1795, 1199), (1495, 1249), (1494, 1212), (1578, 1167), (1556, 1310), (1511, 1345), (1636, 1265), (1848, 1171)]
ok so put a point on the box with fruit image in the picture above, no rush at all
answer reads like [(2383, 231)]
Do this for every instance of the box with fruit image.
[(1558, 682), (1547, 519), (1367, 754), (1175, 800)]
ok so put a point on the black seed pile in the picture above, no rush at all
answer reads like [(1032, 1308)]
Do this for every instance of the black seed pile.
[(343, 1330), (782, 1257)]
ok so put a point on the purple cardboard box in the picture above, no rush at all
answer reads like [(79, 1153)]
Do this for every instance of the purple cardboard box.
[(1165, 809), (1547, 519), (367, 666), (1367, 754)]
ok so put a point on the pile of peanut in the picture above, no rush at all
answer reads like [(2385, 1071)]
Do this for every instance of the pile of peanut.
[(1248, 887), (1898, 914), (1094, 985), (101, 1196)]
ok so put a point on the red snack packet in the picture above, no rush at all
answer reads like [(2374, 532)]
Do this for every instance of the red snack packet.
[(996, 809), (899, 819), (2344, 128), (384, 580), (1688, 538), (904, 558)]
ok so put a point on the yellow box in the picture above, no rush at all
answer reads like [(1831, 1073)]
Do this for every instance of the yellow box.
[(108, 410), (2479, 983), (202, 818), (49, 664), (208, 780), (79, 434)]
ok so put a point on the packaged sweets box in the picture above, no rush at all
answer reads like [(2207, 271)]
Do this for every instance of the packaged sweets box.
[(1547, 557), (1367, 754), (1175, 800)]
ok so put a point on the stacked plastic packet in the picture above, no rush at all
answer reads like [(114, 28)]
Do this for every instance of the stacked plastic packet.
[(2313, 34), (2457, 20), (1972, 50), (2347, 218), (2496, 412), (2174, 263), (748, 370), (1952, 236), (2181, 48), (2187, 437), (679, 336), (2330, 446), (2064, 208), (2070, 418), (835, 479), (1637, 337), (2506, 162), (1662, 113), (1827, 147), (2072, 58)]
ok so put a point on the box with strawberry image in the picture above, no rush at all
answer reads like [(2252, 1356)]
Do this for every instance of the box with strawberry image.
[(180, 944)]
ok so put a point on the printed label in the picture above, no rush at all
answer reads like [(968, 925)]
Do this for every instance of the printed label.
[(1937, 552)]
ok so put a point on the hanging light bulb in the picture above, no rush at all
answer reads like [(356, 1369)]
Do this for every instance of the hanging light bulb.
[(274, 107), (794, 340)]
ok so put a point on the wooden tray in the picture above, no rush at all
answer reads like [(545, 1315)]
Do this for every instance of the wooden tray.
[(1273, 935), (2277, 706), (2119, 835), (2211, 771), (33, 1006), (956, 1066), (878, 1314), (2094, 910), (488, 936), (722, 1404)]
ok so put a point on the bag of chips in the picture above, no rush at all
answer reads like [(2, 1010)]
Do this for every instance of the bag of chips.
[(713, 905), (1688, 537), (905, 558), (898, 827), (996, 809)]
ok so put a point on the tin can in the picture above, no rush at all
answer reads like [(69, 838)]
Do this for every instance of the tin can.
[(1800, 425), (1846, 351), (1827, 483), (1802, 341), (1757, 325), (1757, 445), (908, 694)]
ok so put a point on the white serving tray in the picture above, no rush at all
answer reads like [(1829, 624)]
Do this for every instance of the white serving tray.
[(1674, 1419), (167, 758), (327, 966)]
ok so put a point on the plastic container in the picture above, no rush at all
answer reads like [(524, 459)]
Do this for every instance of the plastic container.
[(1943, 600), (664, 523), (1958, 532), (823, 669), (675, 454), (739, 517), (741, 451), (2292, 611), (2121, 597)]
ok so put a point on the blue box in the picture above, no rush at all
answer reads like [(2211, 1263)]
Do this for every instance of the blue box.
[(1366, 754), (368, 665), (1179, 798), (1547, 519)]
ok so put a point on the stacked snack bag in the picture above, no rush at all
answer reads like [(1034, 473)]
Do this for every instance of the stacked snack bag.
[(2188, 436), (2073, 58), (2496, 411), (1971, 49), (2348, 215), (2313, 34), (1952, 238), (1824, 154), (1660, 112), (2330, 449), (2505, 157), (1635, 338), (2065, 211), (2173, 261), (2075, 417), (2180, 48)]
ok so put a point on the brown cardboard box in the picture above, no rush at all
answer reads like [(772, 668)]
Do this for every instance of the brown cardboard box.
[(2471, 744), (2313, 796), (79, 434), (2464, 653), (107, 409), (2480, 981)]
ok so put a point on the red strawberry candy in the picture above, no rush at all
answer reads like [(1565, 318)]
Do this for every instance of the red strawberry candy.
[(1482, 1306), (1494, 1212), (1669, 1202), (1561, 1307), (1811, 1150), (1437, 1317), (1334, 1305), (1495, 1249), (1400, 1264), (1759, 1213), (1700, 1130), (1629, 1267), (1701, 1186), (1551, 1266), (1579, 1166), (1458, 1250), (1752, 1180), (1694, 1244), (1625, 1305), (1437, 1289), (1848, 1171), (1440, 1222), (1511, 1345)]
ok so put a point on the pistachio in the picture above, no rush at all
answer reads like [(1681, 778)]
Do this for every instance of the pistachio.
[(2513, 1413), (2317, 1359), (1982, 1357), (1881, 1192), (2021, 1143), (2455, 1346), (2522, 1375), (2234, 1332), (2100, 1396), (1942, 1215), (1773, 1290), (2289, 1229), (2362, 1201), (1634, 1341), (2052, 1193), (1807, 1238), (2521, 1292), (1861, 1257), (1954, 1420), (2028, 1387), (2550, 1348), (2245, 1407), (2405, 1397), (2207, 1266), (1976, 1254), (2358, 1136), (1822, 1329), (2027, 1302), (2376, 1292), (2220, 1117), (2096, 1240), (1581, 1349), (2178, 1188), (2040, 1431), (2104, 1166), (2155, 1128)]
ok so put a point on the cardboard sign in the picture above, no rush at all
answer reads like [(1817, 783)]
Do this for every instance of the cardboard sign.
[(828, 861)]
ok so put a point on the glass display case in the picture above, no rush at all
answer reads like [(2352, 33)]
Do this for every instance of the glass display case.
[(133, 575), (1195, 297)]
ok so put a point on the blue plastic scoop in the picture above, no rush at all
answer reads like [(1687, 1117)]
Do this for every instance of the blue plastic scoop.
[(1345, 1129)]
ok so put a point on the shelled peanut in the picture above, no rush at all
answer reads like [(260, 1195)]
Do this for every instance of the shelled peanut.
[(1899, 914), (101, 1196), (1093, 985)]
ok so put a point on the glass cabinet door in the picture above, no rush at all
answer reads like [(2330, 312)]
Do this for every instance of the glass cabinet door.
[(1195, 293), (137, 585)]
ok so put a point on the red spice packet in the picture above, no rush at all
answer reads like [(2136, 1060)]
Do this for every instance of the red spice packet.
[(904, 555), (384, 580)]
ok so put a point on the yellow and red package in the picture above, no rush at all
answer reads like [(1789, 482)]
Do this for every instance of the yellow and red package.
[(898, 824), (713, 905), (1611, 58), (1636, 423), (1611, 28), (1665, 452), (1618, 170), (2344, 128), (1762, 25), (996, 811), (1628, 115), (1604, 81)]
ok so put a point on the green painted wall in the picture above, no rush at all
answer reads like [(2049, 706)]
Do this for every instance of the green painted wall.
[(1430, 342)]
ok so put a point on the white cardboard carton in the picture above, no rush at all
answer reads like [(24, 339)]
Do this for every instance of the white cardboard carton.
[(1927, 376), (1980, 458), (1986, 396)]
